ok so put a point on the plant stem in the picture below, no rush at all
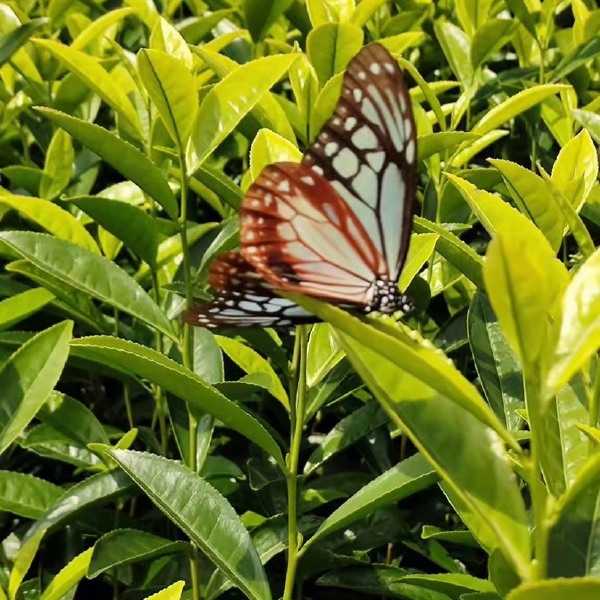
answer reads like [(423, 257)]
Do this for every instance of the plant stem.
[(539, 494), (298, 394), (187, 350)]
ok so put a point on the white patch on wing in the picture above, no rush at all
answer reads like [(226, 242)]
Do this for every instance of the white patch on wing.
[(346, 163), (307, 179), (389, 125), (365, 185), (375, 68), (389, 67), (350, 123), (332, 215), (376, 160), (331, 148), (357, 94), (285, 231), (284, 186), (370, 113), (364, 138), (410, 151), (392, 202)]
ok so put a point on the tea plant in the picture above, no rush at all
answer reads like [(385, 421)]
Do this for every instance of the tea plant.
[(452, 454)]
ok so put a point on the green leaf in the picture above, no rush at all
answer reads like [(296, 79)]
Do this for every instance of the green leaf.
[(330, 48), (260, 16), (172, 88), (209, 521), (457, 48), (519, 8), (357, 425), (82, 498), (19, 307), (323, 354), (230, 100), (515, 105), (434, 143), (405, 479), (421, 248), (13, 40), (365, 10), (452, 248), (498, 369), (128, 546), (25, 495), (68, 577), (58, 168), (100, 27), (489, 38), (578, 57), (531, 195), (89, 273), (54, 219), (582, 588), (89, 70), (579, 336), (525, 283), (252, 363), (28, 378), (22, 563), (590, 121), (132, 225), (132, 358), (125, 158), (576, 169)]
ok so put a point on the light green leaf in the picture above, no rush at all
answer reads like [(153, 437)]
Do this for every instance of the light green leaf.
[(434, 143), (489, 38), (525, 283), (269, 147), (581, 588), (532, 196), (25, 495), (68, 577), (173, 592), (23, 562), (89, 70), (98, 27), (172, 88), (125, 158), (92, 274), (365, 11), (58, 168), (230, 100), (576, 169), (515, 105), (421, 248), (252, 362), (210, 521), (29, 376), (589, 120), (19, 307), (330, 48), (167, 39), (12, 41), (329, 11), (579, 336), (54, 219), (457, 48)]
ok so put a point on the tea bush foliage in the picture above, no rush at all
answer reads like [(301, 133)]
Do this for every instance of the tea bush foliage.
[(452, 454)]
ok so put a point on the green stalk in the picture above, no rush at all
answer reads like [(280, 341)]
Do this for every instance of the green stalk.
[(187, 350), (539, 493), (298, 389)]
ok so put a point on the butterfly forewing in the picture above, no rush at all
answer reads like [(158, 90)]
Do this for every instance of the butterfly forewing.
[(243, 299), (301, 236), (367, 151)]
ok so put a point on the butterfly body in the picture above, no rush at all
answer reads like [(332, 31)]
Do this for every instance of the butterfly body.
[(335, 226)]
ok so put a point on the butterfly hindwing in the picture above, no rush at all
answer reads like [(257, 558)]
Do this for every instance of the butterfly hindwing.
[(243, 299)]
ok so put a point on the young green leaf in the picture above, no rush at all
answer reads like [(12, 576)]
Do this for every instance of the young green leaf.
[(173, 592), (260, 16), (28, 378), (68, 577), (19, 307), (58, 168), (582, 588)]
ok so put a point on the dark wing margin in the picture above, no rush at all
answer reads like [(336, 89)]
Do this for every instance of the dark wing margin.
[(243, 299), (367, 150)]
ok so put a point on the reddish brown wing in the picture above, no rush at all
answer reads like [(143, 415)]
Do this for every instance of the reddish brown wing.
[(243, 299), (300, 235), (367, 151)]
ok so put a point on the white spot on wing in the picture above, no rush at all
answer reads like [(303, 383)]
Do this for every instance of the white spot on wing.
[(410, 151), (346, 163), (389, 67), (350, 123), (375, 68), (331, 148), (376, 160), (308, 180), (284, 186), (364, 138), (357, 94), (362, 75)]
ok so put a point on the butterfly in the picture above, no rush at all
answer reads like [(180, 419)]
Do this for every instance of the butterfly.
[(335, 226)]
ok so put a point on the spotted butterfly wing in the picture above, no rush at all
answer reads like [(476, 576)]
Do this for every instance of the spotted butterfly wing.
[(337, 226)]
